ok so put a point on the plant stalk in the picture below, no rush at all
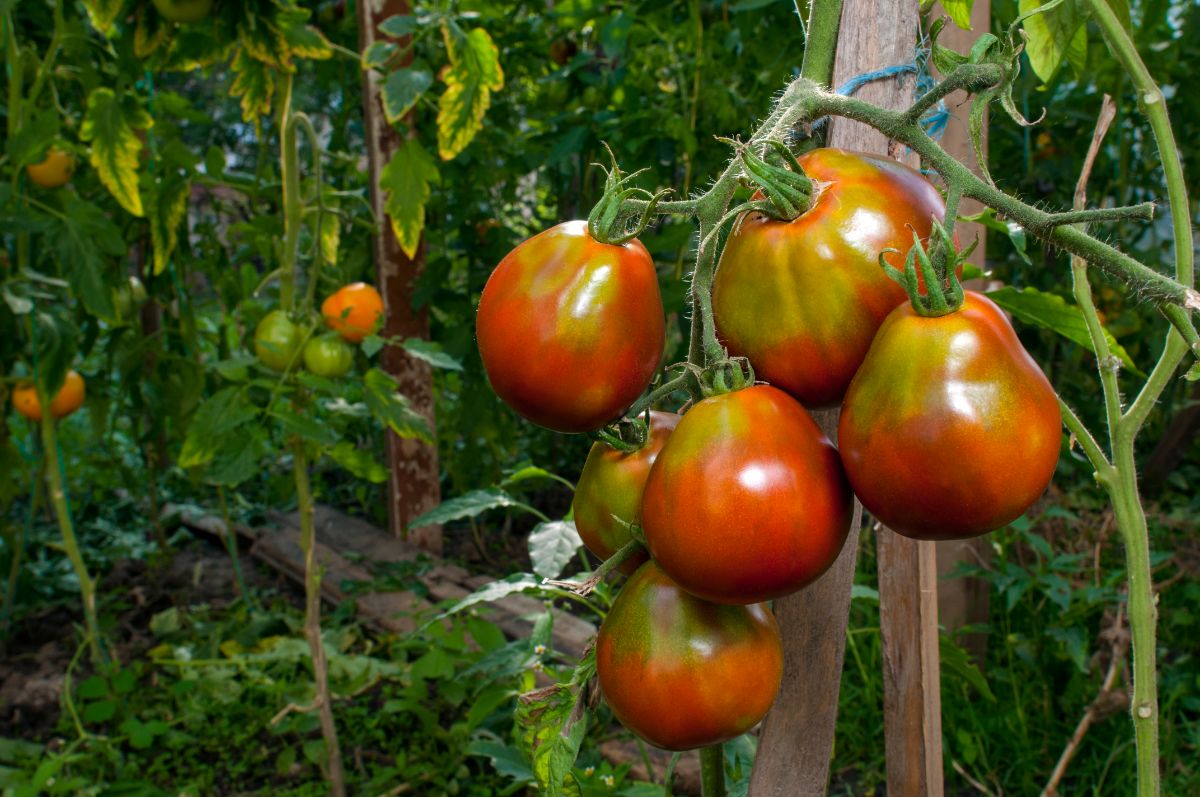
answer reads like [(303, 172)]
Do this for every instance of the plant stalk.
[(820, 48), (712, 771), (232, 546), (289, 159)]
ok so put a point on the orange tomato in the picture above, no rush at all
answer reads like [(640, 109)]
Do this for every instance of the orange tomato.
[(68, 398), (54, 171), (354, 311)]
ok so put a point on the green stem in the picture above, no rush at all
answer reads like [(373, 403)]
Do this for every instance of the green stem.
[(312, 619), (58, 499), (1107, 364), (12, 57), (304, 123), (820, 48), (712, 771), (289, 157), (47, 64), (232, 546)]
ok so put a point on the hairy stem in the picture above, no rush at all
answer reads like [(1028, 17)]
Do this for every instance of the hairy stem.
[(712, 771), (820, 48)]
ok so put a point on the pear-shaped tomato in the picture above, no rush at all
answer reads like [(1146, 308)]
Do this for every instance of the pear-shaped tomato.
[(803, 299), (747, 500), (610, 491), (681, 672), (571, 330), (950, 429)]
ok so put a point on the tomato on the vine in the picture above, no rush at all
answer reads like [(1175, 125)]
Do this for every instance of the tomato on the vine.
[(571, 330), (68, 398), (610, 489), (184, 10), (747, 500), (950, 429), (803, 299), (353, 311), (681, 672), (277, 340), (328, 355), (54, 170)]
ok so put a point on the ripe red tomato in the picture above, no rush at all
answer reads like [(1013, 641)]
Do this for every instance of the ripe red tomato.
[(353, 311), (611, 487), (747, 500), (803, 299), (681, 672), (950, 429), (571, 330), (68, 398)]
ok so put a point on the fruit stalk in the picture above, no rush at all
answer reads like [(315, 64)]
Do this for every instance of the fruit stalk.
[(712, 771)]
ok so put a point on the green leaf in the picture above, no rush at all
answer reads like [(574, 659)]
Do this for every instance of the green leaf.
[(511, 584), (166, 622), (1053, 34), (471, 504), (84, 233), (863, 592), (1052, 312), (226, 411), (239, 456), (399, 26), (432, 353), (392, 408), (473, 75), (254, 83), (955, 661), (507, 760), (30, 143), (93, 688), (104, 13), (169, 203), (100, 711), (305, 426), (110, 124), (552, 545), (378, 54), (550, 729), (401, 91), (959, 11), (406, 180), (358, 462)]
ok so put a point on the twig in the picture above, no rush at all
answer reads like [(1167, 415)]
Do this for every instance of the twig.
[(982, 789)]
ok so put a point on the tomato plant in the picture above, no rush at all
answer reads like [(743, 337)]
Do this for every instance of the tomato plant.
[(747, 500), (68, 398), (277, 340), (184, 11), (609, 493), (353, 311), (571, 330), (328, 355), (949, 429), (681, 672), (54, 170), (803, 298)]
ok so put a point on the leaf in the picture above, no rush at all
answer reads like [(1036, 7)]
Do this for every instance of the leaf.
[(29, 144), (254, 83), (169, 201), (1052, 35), (552, 545), (392, 408), (305, 40), (471, 504), (956, 661), (104, 13), (959, 11), (239, 457), (224, 412), (399, 26), (305, 426), (406, 180), (359, 462), (863, 592), (473, 75), (111, 124), (378, 54), (84, 233), (488, 593), (432, 353), (1052, 312), (331, 236), (100, 711), (401, 91), (507, 760), (550, 730)]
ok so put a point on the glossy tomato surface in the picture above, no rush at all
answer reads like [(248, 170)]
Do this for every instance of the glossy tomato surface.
[(950, 429), (681, 672), (571, 330), (54, 171), (803, 299), (611, 487), (353, 311), (68, 398), (747, 500)]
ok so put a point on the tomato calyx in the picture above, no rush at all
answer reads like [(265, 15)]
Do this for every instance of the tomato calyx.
[(935, 290), (727, 375), (628, 434), (789, 191), (609, 221)]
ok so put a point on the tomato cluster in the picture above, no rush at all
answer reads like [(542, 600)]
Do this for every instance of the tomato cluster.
[(352, 312), (948, 428)]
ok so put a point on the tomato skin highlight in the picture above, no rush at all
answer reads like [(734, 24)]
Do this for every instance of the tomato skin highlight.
[(328, 356), (277, 341), (612, 483), (950, 429), (681, 672), (803, 299), (353, 311), (54, 171), (747, 500), (571, 330), (69, 398)]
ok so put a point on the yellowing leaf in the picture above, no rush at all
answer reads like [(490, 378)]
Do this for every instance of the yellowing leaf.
[(254, 84), (959, 11), (473, 75), (406, 180), (103, 13), (170, 207), (1054, 34), (111, 124)]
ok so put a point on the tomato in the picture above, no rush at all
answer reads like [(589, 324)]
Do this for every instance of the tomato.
[(127, 299), (277, 341), (184, 10), (54, 171), (681, 672), (611, 486), (949, 429), (353, 311), (68, 398), (803, 299), (747, 500), (571, 330), (328, 355)]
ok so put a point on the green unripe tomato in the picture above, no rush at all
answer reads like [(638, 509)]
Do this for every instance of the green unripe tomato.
[(277, 341), (184, 10), (328, 356), (127, 299)]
